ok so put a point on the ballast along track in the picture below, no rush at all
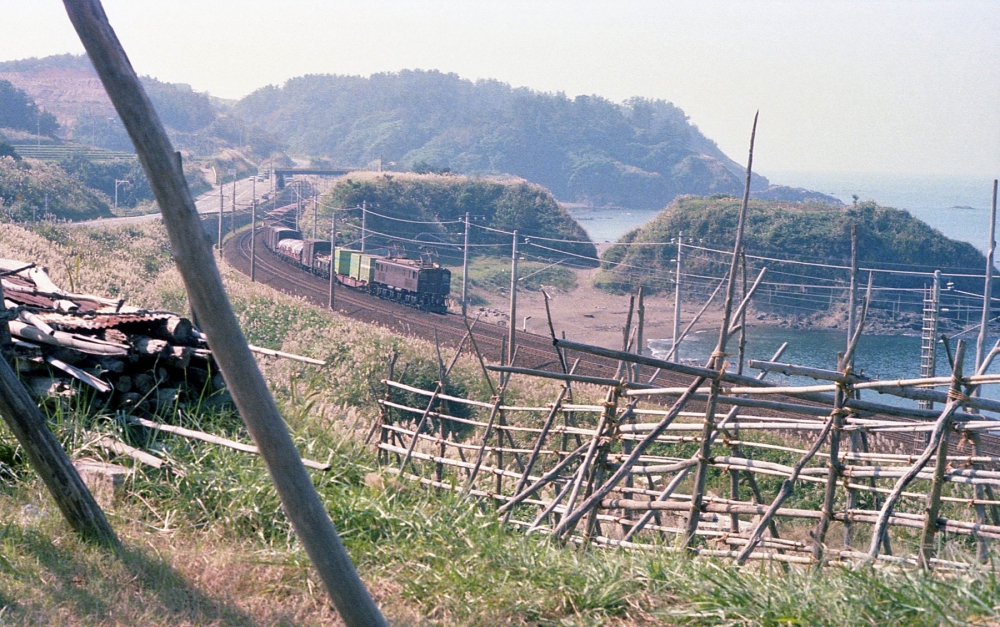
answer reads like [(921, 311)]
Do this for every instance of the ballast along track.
[(534, 351)]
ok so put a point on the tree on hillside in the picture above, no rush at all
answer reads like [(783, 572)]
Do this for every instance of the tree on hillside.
[(19, 111), (641, 153)]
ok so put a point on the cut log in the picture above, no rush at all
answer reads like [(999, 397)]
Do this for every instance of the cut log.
[(144, 383), (149, 346), (177, 331)]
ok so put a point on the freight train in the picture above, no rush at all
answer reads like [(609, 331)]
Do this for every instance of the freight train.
[(408, 281)]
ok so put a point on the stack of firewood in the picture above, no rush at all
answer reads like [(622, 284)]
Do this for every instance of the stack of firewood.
[(138, 359)]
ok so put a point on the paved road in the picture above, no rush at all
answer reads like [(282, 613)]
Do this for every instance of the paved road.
[(207, 203)]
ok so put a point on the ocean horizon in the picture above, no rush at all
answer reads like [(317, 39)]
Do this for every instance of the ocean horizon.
[(957, 206)]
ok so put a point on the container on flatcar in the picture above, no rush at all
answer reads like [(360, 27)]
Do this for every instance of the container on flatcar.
[(275, 234), (311, 248), (367, 269), (291, 248), (342, 261)]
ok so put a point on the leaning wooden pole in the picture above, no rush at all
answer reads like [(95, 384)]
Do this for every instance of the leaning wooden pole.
[(197, 266), (988, 288), (718, 360), (940, 426)]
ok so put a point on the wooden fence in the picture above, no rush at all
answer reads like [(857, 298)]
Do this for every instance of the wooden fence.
[(767, 473)]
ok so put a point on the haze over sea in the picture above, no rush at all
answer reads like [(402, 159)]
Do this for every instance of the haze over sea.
[(956, 206), (959, 207)]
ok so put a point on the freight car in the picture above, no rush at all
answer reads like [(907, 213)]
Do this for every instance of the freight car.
[(417, 284)]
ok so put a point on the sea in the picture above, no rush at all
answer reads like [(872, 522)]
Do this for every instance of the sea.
[(959, 207)]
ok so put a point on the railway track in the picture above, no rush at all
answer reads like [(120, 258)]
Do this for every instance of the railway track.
[(533, 351)]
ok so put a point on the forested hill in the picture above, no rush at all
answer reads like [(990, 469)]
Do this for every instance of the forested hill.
[(641, 153), (426, 212), (69, 92), (812, 232)]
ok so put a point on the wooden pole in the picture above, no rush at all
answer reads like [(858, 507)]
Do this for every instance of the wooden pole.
[(852, 294), (787, 487), (465, 269), (677, 297), (513, 302), (222, 202), (925, 550), (573, 517), (333, 261), (253, 238), (197, 266), (940, 426), (232, 209), (717, 360), (364, 223), (672, 355), (46, 455), (988, 288)]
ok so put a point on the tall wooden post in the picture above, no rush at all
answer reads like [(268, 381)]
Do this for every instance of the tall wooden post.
[(465, 269), (677, 295), (718, 363), (513, 302), (198, 268), (222, 202), (232, 209), (852, 295), (333, 258), (364, 223), (253, 239), (988, 288)]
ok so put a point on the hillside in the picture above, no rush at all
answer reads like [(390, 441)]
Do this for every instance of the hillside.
[(29, 189), (430, 205), (206, 541), (66, 87), (815, 232), (587, 149)]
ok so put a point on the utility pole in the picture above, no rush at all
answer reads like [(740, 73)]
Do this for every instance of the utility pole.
[(222, 202), (333, 257), (364, 223), (988, 289), (253, 240), (513, 302), (852, 296), (677, 296), (315, 211), (232, 210), (298, 203), (465, 268)]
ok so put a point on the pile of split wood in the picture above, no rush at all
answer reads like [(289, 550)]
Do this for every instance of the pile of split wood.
[(138, 359)]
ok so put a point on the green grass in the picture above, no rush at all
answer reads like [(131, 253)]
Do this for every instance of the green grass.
[(214, 547), (493, 276)]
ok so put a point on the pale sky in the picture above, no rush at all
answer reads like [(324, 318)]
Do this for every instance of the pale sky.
[(894, 87)]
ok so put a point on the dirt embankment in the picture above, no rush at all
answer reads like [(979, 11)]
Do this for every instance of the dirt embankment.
[(589, 315)]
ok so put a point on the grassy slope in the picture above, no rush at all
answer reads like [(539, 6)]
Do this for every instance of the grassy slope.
[(26, 184), (214, 548)]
